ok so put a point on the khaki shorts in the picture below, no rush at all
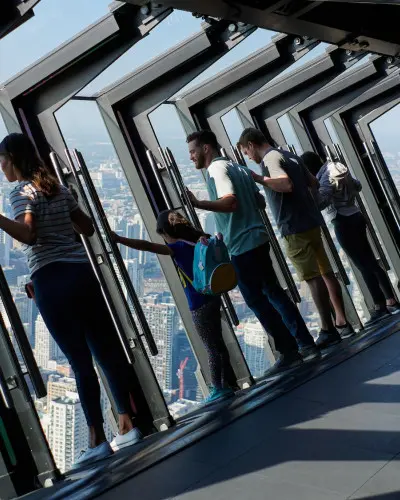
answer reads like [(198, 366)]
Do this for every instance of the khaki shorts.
[(307, 253)]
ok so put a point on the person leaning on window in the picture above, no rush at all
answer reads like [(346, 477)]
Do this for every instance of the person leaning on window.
[(67, 293), (337, 195)]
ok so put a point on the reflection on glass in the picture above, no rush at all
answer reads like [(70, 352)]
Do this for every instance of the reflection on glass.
[(143, 268), (251, 336)]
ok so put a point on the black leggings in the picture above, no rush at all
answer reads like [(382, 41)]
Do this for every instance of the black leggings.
[(207, 320), (351, 233)]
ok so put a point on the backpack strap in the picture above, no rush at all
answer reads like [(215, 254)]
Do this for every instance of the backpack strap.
[(183, 277)]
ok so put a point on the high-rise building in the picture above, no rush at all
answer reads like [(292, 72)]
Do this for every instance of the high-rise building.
[(136, 274), (58, 386), (67, 430), (257, 350), (46, 348), (163, 321), (6, 244)]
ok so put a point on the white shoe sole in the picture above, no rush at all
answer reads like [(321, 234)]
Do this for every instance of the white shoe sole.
[(131, 442)]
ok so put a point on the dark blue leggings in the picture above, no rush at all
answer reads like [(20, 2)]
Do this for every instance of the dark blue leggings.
[(70, 300)]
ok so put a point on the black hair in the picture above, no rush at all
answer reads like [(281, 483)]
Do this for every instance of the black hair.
[(175, 225), (312, 161), (204, 137)]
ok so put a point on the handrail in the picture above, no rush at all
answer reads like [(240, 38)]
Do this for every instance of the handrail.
[(93, 258), (158, 177), (380, 181), (146, 332)]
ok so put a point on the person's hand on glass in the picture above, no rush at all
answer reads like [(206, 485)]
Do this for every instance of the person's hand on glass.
[(194, 201)]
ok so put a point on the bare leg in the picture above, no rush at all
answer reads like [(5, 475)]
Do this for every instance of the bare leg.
[(320, 295), (125, 423), (336, 296)]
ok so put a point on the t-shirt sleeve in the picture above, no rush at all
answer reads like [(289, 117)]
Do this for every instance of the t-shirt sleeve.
[(223, 184), (22, 202), (275, 162)]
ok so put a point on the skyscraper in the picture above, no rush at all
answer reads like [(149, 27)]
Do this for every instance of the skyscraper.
[(257, 350), (163, 321), (136, 274), (67, 430), (46, 348)]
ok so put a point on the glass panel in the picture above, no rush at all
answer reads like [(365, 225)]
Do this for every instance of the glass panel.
[(55, 21), (260, 38), (385, 131), (251, 335), (290, 136), (354, 289), (144, 268), (173, 30)]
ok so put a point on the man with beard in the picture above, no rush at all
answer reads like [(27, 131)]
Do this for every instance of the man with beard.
[(236, 202)]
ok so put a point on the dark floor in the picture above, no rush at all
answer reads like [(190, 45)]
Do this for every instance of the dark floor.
[(335, 437)]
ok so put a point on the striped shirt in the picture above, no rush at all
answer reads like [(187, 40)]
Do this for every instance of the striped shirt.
[(56, 238)]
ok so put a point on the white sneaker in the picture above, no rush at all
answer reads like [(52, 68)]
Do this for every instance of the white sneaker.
[(103, 450), (122, 440)]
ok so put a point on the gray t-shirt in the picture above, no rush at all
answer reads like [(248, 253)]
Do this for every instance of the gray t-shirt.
[(243, 230), (294, 212), (56, 238)]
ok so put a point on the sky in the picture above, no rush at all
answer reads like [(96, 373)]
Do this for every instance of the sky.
[(56, 21)]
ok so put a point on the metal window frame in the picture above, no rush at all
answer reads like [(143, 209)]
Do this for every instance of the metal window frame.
[(203, 106), (291, 17), (335, 101), (125, 107), (275, 100), (28, 103)]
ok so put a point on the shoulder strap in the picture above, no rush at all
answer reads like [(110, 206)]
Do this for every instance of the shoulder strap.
[(183, 276)]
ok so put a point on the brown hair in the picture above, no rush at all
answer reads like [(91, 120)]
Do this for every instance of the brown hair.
[(252, 134), (175, 225), (20, 149)]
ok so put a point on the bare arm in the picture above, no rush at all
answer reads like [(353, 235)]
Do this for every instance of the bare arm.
[(143, 245), (22, 229), (226, 204), (281, 183), (82, 223)]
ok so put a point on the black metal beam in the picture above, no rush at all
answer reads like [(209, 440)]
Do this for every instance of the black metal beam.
[(347, 94), (126, 106), (204, 106), (14, 13), (276, 99), (30, 99), (362, 26)]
